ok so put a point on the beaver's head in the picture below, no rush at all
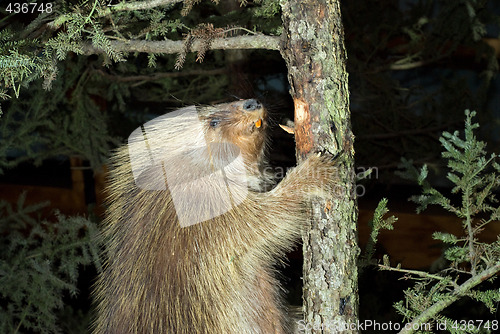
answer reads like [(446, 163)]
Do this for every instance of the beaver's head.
[(241, 123), (193, 145)]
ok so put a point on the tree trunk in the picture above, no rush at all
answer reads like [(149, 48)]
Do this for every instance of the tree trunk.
[(315, 55)]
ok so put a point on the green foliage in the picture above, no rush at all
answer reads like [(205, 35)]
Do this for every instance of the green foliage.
[(73, 117), (159, 27), (71, 40), (376, 224), (422, 296), (41, 124), (24, 59), (68, 41), (19, 64), (39, 264), (489, 298), (475, 176), (268, 8), (33, 51)]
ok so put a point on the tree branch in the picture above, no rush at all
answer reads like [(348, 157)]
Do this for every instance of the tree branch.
[(123, 6), (459, 292), (411, 272), (171, 47), (138, 5)]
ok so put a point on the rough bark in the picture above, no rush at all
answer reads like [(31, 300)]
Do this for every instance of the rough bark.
[(313, 48)]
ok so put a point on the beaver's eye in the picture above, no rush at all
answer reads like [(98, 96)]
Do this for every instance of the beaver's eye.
[(214, 122)]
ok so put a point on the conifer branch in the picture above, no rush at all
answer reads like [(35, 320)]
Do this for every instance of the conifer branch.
[(123, 6), (470, 172), (172, 47), (138, 5), (420, 273), (459, 292)]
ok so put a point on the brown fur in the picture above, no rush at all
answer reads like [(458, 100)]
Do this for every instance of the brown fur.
[(213, 277)]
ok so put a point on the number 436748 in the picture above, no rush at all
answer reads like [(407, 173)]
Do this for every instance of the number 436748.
[(25, 8)]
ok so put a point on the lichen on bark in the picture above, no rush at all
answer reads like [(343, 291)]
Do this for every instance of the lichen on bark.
[(313, 48)]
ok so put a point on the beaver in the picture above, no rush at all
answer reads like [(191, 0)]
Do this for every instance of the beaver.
[(183, 256)]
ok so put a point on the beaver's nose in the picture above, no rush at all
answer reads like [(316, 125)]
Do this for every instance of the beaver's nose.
[(252, 104)]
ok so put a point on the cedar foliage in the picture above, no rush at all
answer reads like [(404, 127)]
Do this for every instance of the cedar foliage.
[(38, 125), (475, 176), (73, 100), (39, 264)]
